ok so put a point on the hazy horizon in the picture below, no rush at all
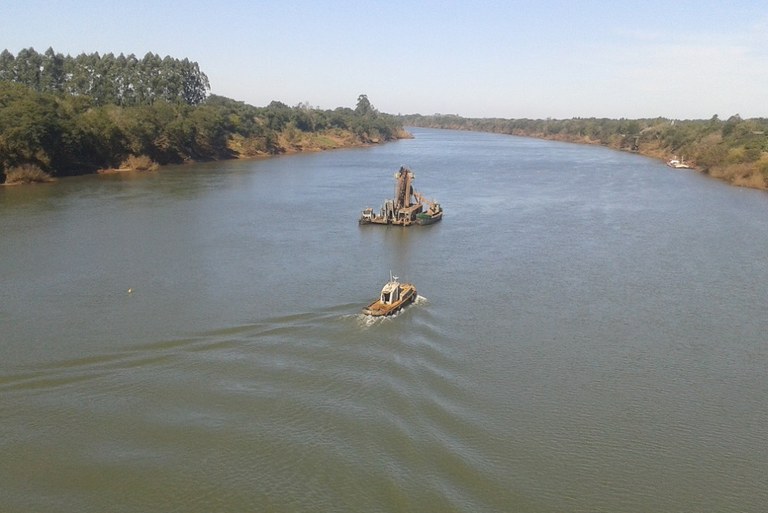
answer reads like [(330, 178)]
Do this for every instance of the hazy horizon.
[(550, 59)]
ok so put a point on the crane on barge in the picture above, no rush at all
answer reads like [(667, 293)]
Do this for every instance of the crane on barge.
[(406, 208)]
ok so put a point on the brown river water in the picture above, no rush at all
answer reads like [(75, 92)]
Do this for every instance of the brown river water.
[(590, 335)]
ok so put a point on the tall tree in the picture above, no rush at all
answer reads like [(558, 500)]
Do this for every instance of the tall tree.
[(120, 80), (364, 107), (28, 66), (7, 61), (52, 74)]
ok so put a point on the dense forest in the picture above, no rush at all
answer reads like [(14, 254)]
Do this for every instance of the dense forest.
[(734, 150), (62, 116)]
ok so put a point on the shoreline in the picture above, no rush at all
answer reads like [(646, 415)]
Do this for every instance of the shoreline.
[(745, 175), (312, 142), (736, 175)]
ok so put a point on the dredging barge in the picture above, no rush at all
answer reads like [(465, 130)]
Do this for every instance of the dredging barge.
[(408, 206)]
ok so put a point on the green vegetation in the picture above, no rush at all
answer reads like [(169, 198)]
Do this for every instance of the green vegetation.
[(70, 116), (62, 115), (139, 163), (735, 150), (107, 79), (26, 173)]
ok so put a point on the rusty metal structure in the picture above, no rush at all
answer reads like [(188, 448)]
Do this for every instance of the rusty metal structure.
[(406, 208)]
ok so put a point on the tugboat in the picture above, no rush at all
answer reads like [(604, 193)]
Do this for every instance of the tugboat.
[(394, 296), (406, 208), (432, 215)]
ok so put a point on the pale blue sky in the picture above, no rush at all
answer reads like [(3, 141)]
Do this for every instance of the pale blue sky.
[(479, 58)]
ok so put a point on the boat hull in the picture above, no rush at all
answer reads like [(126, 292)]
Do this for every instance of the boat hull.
[(379, 309), (383, 220), (423, 219)]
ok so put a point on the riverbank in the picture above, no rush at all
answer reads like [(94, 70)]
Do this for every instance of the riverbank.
[(25, 175), (734, 151), (288, 142), (83, 137), (296, 141), (738, 174)]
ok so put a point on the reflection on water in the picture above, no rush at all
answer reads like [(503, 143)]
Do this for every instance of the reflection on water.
[(593, 338)]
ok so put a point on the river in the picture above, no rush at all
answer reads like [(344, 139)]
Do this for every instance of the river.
[(590, 335)]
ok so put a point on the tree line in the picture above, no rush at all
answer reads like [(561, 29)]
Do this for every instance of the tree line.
[(108, 79), (734, 149), (61, 129)]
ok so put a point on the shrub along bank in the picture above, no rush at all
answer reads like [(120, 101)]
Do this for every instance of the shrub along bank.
[(734, 150)]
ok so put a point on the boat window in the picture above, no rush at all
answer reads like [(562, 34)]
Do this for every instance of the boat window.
[(385, 297)]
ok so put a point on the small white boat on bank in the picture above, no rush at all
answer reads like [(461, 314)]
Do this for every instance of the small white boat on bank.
[(678, 164)]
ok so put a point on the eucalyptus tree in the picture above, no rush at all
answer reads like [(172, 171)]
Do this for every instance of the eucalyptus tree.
[(195, 85), (27, 68), (53, 74), (364, 107), (7, 72)]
